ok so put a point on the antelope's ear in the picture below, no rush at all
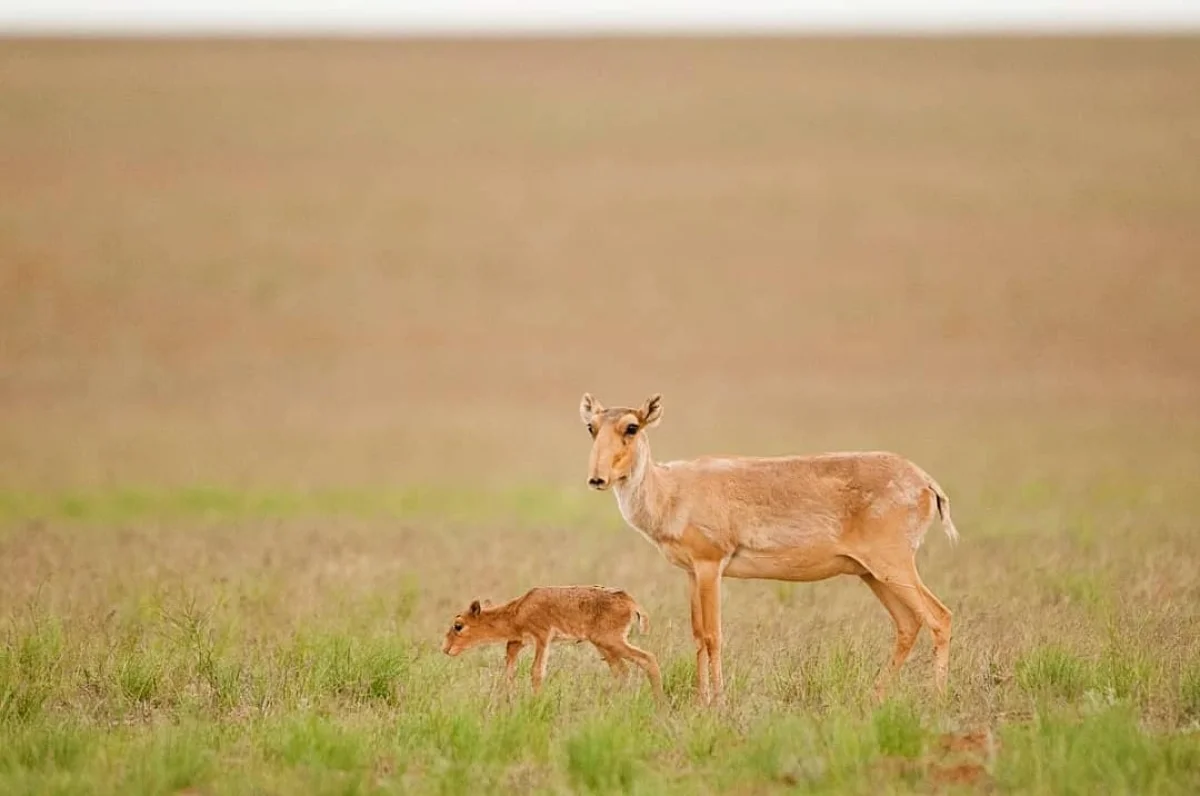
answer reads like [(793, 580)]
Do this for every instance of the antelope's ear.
[(651, 411), (475, 608), (589, 407)]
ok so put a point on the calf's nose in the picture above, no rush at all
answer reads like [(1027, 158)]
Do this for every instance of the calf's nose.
[(597, 481)]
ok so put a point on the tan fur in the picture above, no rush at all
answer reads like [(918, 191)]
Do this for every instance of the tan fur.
[(597, 614), (795, 518)]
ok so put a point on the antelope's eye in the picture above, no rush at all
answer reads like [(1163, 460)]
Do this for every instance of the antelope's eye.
[(631, 429), (591, 429), (458, 626)]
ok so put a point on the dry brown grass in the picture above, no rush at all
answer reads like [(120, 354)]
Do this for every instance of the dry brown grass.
[(324, 277)]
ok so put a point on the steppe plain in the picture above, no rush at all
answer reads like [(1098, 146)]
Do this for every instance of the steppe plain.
[(292, 336)]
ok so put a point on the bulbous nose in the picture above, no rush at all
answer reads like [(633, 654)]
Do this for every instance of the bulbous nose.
[(596, 482)]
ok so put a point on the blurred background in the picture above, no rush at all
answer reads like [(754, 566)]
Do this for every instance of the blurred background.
[(389, 259)]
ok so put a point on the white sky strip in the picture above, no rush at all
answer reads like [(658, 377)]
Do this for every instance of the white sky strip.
[(419, 17)]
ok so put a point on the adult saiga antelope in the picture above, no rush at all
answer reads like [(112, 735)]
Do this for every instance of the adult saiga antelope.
[(793, 518)]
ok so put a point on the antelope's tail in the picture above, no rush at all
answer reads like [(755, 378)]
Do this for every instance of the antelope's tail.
[(943, 509)]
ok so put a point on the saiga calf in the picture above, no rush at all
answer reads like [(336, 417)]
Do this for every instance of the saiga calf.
[(597, 614), (792, 518)]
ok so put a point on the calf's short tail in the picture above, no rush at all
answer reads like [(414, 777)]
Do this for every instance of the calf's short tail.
[(643, 619)]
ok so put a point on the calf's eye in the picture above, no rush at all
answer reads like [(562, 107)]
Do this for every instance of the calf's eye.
[(591, 429), (458, 626), (631, 429)]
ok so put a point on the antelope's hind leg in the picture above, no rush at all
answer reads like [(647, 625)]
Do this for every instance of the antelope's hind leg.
[(649, 665), (908, 626), (621, 650), (616, 664), (902, 580), (615, 661), (939, 619)]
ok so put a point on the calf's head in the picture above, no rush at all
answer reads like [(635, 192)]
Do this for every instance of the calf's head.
[(468, 629)]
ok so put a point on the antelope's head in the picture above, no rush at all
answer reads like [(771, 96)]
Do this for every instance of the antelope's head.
[(469, 628), (616, 435)]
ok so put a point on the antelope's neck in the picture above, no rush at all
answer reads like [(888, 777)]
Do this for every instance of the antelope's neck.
[(502, 620), (643, 497)]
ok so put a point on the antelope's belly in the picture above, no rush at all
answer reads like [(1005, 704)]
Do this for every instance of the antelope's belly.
[(807, 563)]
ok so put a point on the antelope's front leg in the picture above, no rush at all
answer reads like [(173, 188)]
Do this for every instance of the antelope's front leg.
[(510, 660), (708, 579), (539, 663), (698, 635)]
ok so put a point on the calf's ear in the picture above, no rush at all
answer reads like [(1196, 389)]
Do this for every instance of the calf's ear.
[(475, 608)]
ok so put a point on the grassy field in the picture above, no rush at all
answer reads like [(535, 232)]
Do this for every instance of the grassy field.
[(292, 337)]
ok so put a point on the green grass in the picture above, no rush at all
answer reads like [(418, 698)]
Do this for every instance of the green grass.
[(898, 730), (1189, 692), (1107, 751), (608, 752), (242, 642), (1054, 672), (220, 503), (183, 702)]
